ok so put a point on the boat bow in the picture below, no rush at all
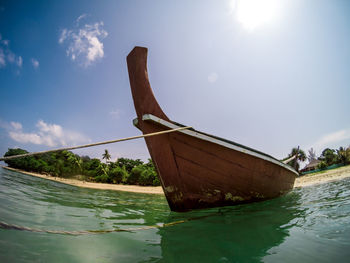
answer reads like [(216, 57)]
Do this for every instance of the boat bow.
[(198, 170)]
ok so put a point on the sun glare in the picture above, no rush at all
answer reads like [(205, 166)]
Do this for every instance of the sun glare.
[(254, 13)]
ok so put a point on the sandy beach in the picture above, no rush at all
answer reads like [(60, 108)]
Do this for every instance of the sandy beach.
[(101, 186), (303, 181), (323, 177)]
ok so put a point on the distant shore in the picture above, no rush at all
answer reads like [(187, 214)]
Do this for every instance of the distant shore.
[(323, 177), (303, 181), (100, 186)]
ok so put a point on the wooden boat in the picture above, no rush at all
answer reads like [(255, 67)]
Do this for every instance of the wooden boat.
[(198, 170)]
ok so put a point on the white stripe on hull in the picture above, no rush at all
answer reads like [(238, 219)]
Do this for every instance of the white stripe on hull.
[(150, 117)]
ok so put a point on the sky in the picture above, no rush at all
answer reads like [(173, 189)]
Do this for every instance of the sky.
[(269, 74)]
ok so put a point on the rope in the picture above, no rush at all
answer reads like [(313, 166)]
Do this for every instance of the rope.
[(93, 144)]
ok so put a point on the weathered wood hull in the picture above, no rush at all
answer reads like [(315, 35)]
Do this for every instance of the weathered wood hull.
[(199, 170)]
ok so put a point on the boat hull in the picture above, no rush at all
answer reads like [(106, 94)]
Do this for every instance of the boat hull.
[(198, 170)]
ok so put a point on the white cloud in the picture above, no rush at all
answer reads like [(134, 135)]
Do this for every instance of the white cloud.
[(21, 137), (16, 125), (2, 58), (80, 18), (84, 43), (213, 77), (19, 61), (331, 140), (47, 134), (63, 36), (35, 63), (7, 56)]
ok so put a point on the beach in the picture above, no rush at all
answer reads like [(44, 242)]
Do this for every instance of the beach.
[(302, 181), (100, 186), (323, 177)]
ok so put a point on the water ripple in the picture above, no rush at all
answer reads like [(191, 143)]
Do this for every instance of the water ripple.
[(307, 225)]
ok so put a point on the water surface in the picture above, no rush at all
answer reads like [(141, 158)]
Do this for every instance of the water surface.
[(307, 225)]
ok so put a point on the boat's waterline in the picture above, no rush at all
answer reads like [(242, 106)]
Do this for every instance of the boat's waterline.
[(303, 181)]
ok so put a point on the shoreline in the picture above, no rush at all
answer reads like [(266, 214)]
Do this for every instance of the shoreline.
[(323, 177), (302, 181), (99, 186)]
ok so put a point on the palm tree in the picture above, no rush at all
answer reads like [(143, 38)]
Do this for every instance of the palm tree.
[(106, 156), (75, 160), (301, 157), (342, 155), (329, 156)]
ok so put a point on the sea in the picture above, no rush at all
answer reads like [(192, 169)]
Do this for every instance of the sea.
[(45, 221)]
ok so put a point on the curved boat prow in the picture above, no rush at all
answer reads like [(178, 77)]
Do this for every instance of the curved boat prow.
[(144, 100), (159, 148)]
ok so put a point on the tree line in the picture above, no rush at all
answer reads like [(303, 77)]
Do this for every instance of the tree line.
[(67, 164), (332, 156), (327, 158), (135, 172)]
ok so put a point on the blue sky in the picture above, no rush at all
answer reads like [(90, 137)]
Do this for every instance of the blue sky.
[(268, 74)]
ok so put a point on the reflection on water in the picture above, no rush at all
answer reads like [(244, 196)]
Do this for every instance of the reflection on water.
[(307, 225), (242, 233)]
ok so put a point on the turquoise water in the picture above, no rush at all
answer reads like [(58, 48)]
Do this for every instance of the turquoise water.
[(306, 225)]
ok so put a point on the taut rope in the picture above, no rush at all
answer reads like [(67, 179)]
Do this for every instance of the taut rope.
[(93, 144)]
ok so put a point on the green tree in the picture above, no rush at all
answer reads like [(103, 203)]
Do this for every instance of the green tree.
[(134, 175), (65, 163), (322, 165), (75, 160), (43, 167), (149, 177), (129, 164), (150, 164), (342, 155), (328, 156), (102, 173), (106, 155), (117, 174), (15, 163), (301, 157), (90, 167)]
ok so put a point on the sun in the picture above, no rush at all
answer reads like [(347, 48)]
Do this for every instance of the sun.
[(255, 13)]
